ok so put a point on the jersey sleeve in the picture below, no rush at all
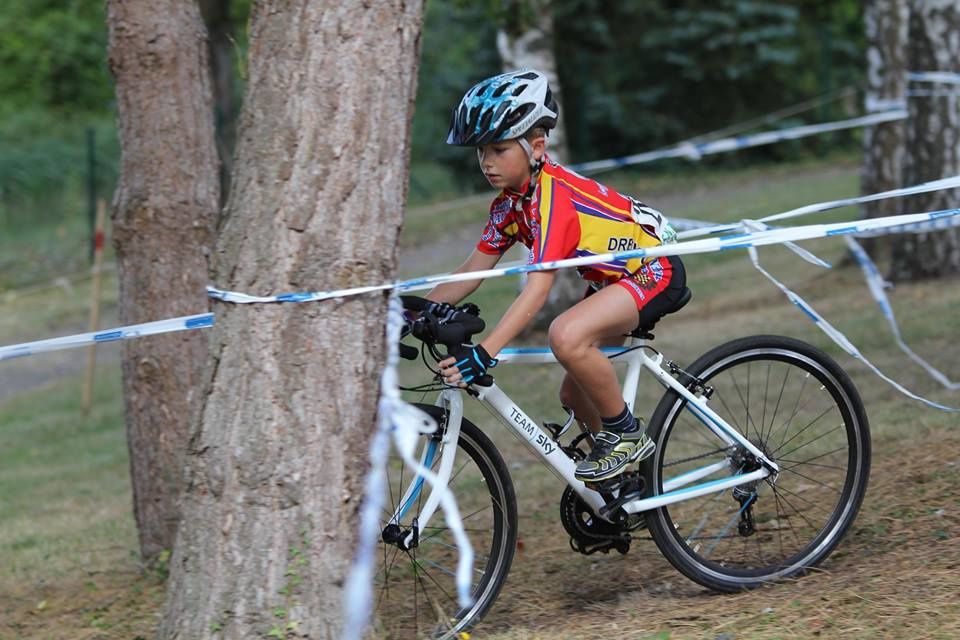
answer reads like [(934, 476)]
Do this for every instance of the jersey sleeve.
[(500, 232), (559, 232)]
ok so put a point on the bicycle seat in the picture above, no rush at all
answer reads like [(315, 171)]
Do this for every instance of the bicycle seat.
[(647, 324)]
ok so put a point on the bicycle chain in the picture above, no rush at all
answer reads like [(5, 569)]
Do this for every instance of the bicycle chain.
[(692, 458)]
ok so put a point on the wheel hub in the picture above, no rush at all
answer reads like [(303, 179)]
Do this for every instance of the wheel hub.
[(403, 539)]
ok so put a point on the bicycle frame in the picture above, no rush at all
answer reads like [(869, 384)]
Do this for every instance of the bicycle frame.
[(676, 489)]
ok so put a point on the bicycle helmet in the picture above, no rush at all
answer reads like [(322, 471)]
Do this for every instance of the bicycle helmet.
[(503, 107)]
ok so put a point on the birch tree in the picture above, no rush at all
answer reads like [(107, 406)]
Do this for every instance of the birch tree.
[(277, 459), (525, 40), (932, 140), (885, 23)]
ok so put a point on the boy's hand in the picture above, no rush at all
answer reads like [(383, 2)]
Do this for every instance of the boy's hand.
[(466, 365)]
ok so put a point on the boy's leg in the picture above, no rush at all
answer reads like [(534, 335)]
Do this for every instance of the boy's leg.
[(574, 397), (574, 337)]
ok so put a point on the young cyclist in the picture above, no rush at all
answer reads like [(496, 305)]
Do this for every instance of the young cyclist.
[(559, 214)]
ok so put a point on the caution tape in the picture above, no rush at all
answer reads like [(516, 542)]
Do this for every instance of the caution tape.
[(926, 187), (706, 245), (937, 77), (696, 150), (183, 323)]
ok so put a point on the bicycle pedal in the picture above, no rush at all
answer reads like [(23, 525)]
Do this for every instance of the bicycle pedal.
[(610, 509), (606, 486)]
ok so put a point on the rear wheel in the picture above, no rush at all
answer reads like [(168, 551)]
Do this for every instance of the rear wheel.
[(415, 592), (794, 403)]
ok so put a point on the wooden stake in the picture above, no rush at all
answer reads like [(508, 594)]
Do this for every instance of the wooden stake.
[(98, 240)]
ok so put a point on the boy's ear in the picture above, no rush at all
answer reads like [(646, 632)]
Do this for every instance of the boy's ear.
[(539, 146)]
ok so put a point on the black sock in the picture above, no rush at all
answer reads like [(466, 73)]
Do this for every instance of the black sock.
[(623, 423)]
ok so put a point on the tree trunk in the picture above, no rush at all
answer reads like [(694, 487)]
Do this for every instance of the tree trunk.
[(526, 41), (164, 213), (885, 23), (277, 461), (933, 141)]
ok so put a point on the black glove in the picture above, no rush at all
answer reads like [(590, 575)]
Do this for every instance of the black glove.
[(473, 362)]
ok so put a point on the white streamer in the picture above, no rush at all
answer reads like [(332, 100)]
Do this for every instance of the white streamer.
[(706, 245), (940, 77), (407, 424)]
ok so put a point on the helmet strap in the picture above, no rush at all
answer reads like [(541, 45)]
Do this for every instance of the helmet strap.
[(526, 147)]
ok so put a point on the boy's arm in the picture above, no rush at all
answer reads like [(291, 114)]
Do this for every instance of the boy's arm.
[(454, 292), (521, 312), (517, 317)]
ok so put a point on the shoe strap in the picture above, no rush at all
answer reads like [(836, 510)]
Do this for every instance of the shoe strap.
[(607, 437)]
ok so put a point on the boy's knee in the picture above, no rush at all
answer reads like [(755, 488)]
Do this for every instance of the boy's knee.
[(557, 337), (563, 338)]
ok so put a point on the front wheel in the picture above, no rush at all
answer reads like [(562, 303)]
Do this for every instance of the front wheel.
[(414, 589), (794, 403)]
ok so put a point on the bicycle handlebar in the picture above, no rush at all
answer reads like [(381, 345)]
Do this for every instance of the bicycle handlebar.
[(441, 323)]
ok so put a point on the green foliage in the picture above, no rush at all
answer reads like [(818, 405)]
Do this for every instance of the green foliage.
[(637, 75), (55, 86), (53, 56), (458, 50)]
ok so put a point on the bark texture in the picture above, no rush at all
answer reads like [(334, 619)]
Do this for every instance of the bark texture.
[(526, 41), (885, 23), (933, 140), (277, 460), (164, 213)]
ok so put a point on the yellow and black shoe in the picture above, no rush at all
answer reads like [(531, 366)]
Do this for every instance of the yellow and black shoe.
[(612, 453)]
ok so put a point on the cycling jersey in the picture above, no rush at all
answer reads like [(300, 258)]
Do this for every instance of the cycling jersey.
[(567, 216)]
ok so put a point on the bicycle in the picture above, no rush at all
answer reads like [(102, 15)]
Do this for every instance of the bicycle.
[(761, 463)]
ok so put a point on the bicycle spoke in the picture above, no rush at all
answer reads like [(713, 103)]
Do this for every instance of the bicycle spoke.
[(823, 435), (809, 479), (799, 408), (427, 573), (776, 408), (800, 514), (797, 434)]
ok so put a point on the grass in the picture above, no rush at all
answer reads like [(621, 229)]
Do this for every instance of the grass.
[(59, 507), (67, 541)]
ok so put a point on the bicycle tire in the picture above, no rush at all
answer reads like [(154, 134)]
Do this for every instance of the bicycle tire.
[(791, 522), (415, 590)]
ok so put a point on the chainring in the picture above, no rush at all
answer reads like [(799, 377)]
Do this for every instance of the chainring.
[(585, 527)]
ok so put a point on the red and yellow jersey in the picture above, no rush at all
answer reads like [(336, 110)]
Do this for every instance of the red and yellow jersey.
[(569, 216)]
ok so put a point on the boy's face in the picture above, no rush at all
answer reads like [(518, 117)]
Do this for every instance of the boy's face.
[(505, 164)]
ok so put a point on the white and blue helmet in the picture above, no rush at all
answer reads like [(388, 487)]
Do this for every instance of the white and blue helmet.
[(503, 107)]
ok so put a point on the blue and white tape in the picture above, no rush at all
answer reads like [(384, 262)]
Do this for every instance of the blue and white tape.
[(694, 151), (706, 245), (877, 286), (837, 336), (926, 187), (183, 323), (936, 77)]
